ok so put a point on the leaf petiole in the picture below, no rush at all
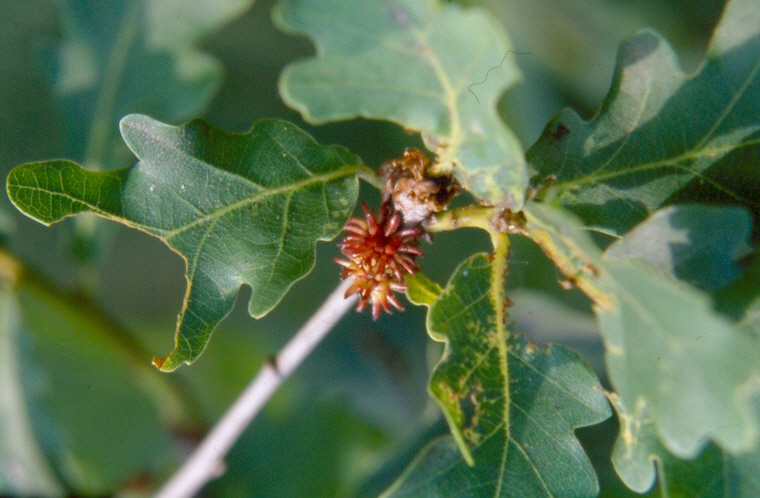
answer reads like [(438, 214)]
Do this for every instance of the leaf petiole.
[(370, 176), (464, 217), (574, 262)]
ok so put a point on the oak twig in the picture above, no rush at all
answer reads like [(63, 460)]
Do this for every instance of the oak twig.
[(206, 462)]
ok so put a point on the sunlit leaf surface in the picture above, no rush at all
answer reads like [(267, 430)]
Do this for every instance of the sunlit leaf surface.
[(241, 209), (658, 128), (430, 66), (698, 372), (639, 456)]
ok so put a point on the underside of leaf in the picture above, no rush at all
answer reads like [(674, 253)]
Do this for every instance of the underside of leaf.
[(697, 372), (434, 68), (639, 458)]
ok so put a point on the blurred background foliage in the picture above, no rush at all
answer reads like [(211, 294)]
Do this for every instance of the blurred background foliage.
[(82, 406)]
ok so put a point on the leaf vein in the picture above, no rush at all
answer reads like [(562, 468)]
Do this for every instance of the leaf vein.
[(730, 106)]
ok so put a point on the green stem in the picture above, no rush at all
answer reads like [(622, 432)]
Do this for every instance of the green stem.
[(465, 217), (369, 176), (571, 261)]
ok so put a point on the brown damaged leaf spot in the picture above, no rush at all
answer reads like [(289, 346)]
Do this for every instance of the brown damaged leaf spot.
[(555, 135), (591, 270), (158, 362), (449, 397), (508, 303), (531, 347), (567, 284), (464, 406), (469, 430)]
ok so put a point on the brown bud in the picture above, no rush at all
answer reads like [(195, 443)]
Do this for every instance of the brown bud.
[(416, 192)]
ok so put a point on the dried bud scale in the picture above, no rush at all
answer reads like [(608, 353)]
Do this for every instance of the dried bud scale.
[(412, 188)]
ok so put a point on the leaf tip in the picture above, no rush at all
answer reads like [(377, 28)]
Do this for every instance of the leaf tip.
[(129, 120), (165, 364), (133, 123)]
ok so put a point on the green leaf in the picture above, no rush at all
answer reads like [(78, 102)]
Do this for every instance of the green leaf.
[(468, 315), (421, 290), (552, 393), (658, 129), (639, 457), (128, 56), (531, 449), (666, 338), (666, 347), (698, 244), (430, 67), (99, 415), (239, 208), (742, 294), (24, 469)]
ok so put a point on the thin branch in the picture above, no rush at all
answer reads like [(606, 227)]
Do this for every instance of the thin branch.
[(206, 462)]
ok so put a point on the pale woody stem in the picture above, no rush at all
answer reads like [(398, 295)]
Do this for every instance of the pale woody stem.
[(206, 462)]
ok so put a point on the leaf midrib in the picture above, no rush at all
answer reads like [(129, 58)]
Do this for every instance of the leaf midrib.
[(673, 161), (291, 188), (213, 215), (499, 267), (697, 152)]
